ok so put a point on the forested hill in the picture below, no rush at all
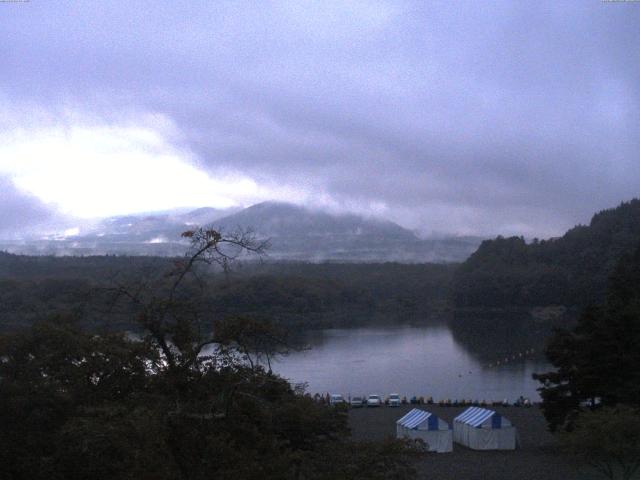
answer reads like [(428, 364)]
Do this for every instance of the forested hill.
[(571, 270)]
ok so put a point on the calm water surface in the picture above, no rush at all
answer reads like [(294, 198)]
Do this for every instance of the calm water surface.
[(426, 361)]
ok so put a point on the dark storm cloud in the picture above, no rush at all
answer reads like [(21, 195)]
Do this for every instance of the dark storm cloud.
[(492, 117)]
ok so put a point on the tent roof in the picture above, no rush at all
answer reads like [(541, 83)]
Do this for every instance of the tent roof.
[(414, 418), (474, 416)]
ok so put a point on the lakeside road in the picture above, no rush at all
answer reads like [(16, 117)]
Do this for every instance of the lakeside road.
[(537, 458)]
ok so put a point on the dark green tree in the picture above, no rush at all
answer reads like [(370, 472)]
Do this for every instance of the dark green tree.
[(53, 373), (598, 362)]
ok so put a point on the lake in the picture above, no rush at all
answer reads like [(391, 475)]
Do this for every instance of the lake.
[(422, 361)]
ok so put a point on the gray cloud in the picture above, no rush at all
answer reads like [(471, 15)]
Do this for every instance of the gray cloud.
[(20, 212), (489, 118)]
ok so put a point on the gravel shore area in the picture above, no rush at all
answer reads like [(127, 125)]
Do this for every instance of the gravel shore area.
[(537, 458)]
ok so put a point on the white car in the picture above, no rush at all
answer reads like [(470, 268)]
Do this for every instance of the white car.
[(394, 400), (374, 400), (357, 402), (336, 399)]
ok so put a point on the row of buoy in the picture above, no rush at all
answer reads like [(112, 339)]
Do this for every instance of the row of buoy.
[(505, 360), (520, 402), (511, 358)]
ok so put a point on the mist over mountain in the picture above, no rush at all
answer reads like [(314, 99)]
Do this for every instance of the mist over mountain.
[(295, 233), (155, 228), (299, 233), (279, 219)]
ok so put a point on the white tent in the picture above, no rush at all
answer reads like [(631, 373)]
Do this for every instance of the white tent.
[(482, 429), (434, 431)]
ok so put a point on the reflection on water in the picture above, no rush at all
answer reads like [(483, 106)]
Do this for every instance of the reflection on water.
[(426, 361)]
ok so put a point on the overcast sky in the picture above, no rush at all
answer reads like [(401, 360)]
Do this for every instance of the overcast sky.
[(448, 117)]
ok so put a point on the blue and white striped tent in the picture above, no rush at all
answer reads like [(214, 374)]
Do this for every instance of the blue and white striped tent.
[(482, 429), (426, 426)]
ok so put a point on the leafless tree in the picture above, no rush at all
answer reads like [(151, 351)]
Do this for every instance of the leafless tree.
[(169, 308)]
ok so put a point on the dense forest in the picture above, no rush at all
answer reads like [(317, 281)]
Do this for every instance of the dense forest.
[(571, 270), (294, 294), (338, 294)]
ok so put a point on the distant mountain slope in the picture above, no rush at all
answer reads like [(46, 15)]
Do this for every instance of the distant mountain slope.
[(205, 215), (299, 233), (155, 234), (276, 219), (296, 233), (571, 270), (152, 226)]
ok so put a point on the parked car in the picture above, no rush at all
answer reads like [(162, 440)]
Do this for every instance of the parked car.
[(374, 400), (336, 399), (357, 402), (590, 403), (394, 400)]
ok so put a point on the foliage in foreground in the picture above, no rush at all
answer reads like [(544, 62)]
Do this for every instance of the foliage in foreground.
[(75, 405), (183, 402), (607, 439)]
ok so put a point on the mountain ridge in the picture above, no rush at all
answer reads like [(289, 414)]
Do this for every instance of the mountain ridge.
[(286, 219), (297, 233)]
